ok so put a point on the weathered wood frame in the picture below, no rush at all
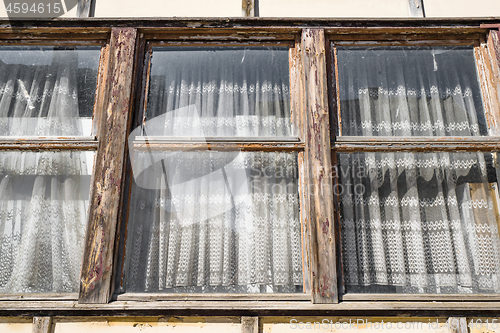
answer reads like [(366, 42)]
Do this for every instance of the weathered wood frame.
[(55, 143), (149, 40), (486, 50), (251, 32)]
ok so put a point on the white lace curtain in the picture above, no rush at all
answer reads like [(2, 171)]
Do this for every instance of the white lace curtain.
[(426, 222), (219, 92), (214, 222), (40, 100), (43, 195), (416, 223), (410, 92)]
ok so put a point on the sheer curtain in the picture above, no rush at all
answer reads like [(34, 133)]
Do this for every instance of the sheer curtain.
[(43, 195), (217, 92), (214, 222), (203, 221), (416, 222), (410, 91)]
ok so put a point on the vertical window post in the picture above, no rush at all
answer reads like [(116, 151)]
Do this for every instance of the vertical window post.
[(318, 178), (97, 264)]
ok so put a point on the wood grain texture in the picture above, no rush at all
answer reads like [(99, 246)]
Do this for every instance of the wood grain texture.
[(318, 161), (358, 309), (494, 55), (42, 324), (249, 324), (488, 87), (108, 173)]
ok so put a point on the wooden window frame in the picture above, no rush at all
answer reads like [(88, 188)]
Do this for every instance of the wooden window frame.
[(59, 143), (297, 143), (487, 64), (312, 74)]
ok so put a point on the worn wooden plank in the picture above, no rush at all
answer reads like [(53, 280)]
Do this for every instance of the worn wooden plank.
[(421, 297), (494, 55), (248, 8), (211, 297), (29, 145), (297, 101), (85, 8), (488, 87), (352, 308), (95, 283), (333, 92), (101, 90), (249, 324), (219, 146), (40, 297), (457, 325), (417, 144), (42, 324), (317, 161)]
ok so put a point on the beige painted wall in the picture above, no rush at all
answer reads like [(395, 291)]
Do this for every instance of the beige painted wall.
[(333, 8), (148, 325), (289, 8), (162, 8), (16, 325), (462, 8), (232, 325)]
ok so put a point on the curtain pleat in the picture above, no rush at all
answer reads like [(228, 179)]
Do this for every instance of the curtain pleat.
[(215, 222), (43, 195), (416, 222), (219, 93)]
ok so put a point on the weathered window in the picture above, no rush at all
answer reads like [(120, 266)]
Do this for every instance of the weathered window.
[(205, 214), (46, 102), (416, 217)]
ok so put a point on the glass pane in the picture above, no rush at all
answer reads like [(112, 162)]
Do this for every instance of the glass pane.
[(410, 91), (43, 213), (219, 91), (47, 91), (420, 222), (214, 222)]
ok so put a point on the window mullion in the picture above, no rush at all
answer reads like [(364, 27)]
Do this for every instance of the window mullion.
[(488, 87), (318, 182), (96, 273)]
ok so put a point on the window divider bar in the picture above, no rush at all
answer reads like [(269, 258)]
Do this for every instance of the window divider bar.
[(420, 144), (106, 193), (419, 297), (219, 146), (319, 218), (166, 139), (211, 297)]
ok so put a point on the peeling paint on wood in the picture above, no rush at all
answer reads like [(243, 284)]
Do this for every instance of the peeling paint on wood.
[(317, 160), (249, 324), (96, 271), (488, 87), (42, 325)]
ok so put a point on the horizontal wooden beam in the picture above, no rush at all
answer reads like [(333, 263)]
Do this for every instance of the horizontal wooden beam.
[(220, 146), (420, 297), (417, 144), (40, 297), (49, 145), (345, 308), (212, 297)]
